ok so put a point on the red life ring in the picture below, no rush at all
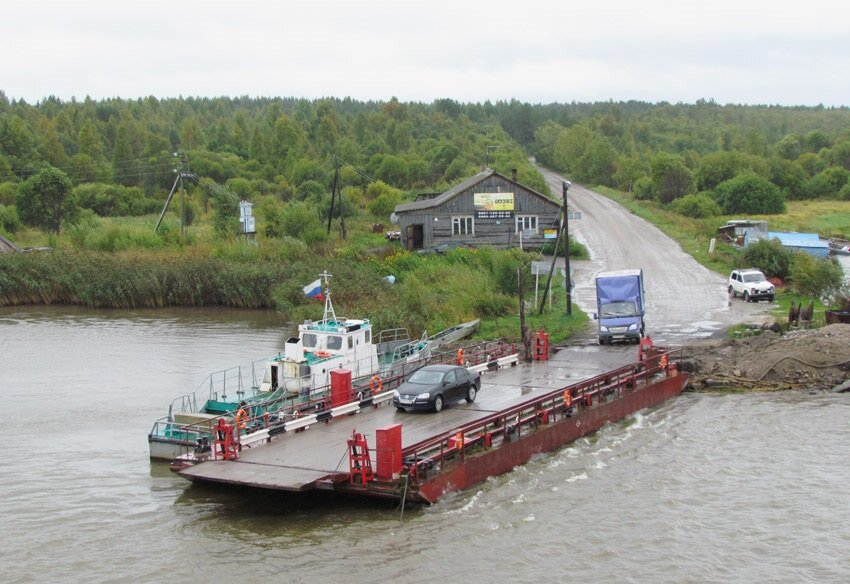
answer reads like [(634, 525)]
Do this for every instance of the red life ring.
[(568, 398), (376, 384), (241, 419)]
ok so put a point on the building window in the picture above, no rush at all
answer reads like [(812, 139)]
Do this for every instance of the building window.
[(463, 226), (524, 222)]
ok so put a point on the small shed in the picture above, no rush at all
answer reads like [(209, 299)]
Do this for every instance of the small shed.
[(811, 243), (743, 231), (486, 209)]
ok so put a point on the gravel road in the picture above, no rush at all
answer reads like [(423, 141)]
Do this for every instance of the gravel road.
[(685, 301)]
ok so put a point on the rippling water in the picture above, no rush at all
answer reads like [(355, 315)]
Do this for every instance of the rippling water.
[(705, 488)]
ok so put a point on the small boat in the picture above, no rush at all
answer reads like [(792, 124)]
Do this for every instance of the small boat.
[(454, 334), (292, 380), (838, 247)]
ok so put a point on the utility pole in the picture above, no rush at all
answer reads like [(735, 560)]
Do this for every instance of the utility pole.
[(182, 196), (567, 279), (336, 193), (180, 171)]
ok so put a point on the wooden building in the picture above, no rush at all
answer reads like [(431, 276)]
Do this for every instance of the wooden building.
[(486, 209)]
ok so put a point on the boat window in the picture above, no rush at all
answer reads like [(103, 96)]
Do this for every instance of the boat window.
[(334, 342), (309, 340), (350, 342), (368, 338)]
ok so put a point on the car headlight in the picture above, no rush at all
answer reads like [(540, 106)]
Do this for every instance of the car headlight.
[(633, 327), (603, 329), (425, 395), (395, 394)]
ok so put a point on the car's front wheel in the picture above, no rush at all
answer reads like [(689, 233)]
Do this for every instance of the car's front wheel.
[(746, 296), (471, 392), (438, 403)]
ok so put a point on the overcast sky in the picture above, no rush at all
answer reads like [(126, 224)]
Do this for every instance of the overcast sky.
[(753, 52)]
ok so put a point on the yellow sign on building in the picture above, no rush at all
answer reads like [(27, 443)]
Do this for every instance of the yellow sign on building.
[(493, 201)]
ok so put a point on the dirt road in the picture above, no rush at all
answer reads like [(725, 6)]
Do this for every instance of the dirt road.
[(685, 301)]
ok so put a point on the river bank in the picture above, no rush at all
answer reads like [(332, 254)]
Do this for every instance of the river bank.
[(814, 359)]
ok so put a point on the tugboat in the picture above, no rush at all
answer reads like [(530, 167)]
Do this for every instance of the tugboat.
[(297, 378)]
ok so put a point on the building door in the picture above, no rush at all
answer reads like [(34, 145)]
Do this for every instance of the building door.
[(414, 237)]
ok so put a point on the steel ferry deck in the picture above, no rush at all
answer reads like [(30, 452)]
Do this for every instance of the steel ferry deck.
[(522, 409)]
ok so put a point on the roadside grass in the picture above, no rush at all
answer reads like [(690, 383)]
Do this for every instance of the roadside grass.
[(829, 218), (559, 325)]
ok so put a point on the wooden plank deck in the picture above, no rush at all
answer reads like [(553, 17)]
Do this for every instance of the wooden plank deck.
[(297, 460)]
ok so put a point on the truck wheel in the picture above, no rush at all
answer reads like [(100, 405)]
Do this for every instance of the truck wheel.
[(746, 296), (601, 341), (732, 292), (770, 298)]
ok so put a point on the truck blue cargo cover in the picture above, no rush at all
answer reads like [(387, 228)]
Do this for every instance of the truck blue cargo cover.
[(618, 286)]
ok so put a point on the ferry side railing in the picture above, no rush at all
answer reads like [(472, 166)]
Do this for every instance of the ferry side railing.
[(428, 457)]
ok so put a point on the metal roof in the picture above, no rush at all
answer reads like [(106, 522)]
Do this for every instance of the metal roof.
[(459, 188)]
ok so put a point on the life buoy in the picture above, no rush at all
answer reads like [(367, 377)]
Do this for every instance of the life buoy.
[(321, 354), (241, 419), (376, 384), (568, 399), (664, 361)]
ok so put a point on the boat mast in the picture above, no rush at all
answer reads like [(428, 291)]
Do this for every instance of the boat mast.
[(329, 307)]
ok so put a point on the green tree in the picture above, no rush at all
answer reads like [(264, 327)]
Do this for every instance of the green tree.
[(697, 206), (770, 256), (598, 162), (671, 178), (45, 201), (749, 193), (816, 277), (826, 183), (629, 169)]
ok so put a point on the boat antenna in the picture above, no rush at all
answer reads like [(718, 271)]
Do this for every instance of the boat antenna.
[(329, 315)]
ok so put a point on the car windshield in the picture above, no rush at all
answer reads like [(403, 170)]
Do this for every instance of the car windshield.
[(617, 309), (754, 277), (424, 376)]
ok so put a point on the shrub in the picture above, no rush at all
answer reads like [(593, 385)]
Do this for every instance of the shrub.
[(643, 189), (749, 193), (816, 277), (827, 183), (696, 206), (9, 220), (770, 256)]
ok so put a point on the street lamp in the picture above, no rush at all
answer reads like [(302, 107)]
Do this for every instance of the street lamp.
[(567, 280)]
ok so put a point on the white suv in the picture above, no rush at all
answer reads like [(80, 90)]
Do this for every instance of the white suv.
[(751, 285)]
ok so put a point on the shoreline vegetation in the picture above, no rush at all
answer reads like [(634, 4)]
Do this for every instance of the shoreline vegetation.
[(430, 292), (88, 179)]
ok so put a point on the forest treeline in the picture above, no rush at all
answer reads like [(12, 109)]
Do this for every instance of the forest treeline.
[(702, 159), (116, 157)]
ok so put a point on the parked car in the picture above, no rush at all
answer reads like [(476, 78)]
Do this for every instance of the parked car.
[(751, 285), (433, 386)]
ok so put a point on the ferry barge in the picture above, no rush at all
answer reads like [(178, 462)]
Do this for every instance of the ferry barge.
[(366, 447)]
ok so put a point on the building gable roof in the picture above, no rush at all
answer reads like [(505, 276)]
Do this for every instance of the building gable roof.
[(461, 187)]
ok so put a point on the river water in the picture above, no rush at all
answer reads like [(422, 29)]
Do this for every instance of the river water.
[(705, 488)]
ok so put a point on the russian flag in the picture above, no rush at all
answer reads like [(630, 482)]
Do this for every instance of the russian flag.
[(314, 290)]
